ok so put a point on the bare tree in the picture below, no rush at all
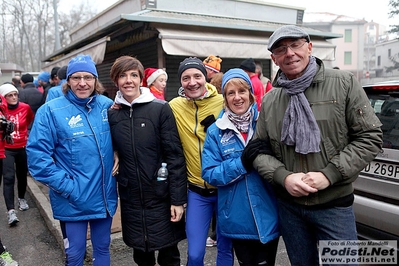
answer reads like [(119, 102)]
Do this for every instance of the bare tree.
[(393, 12), (28, 30)]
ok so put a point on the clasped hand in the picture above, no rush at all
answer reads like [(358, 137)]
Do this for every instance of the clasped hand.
[(301, 184)]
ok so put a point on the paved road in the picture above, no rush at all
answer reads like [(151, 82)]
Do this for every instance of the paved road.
[(36, 240), (30, 242)]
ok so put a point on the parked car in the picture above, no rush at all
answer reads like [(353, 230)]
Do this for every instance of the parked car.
[(377, 188)]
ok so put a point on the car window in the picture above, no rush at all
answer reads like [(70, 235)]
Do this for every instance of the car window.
[(385, 101)]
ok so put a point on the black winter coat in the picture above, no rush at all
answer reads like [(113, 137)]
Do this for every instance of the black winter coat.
[(145, 135)]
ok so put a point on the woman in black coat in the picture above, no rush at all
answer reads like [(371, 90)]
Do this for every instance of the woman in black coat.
[(145, 135)]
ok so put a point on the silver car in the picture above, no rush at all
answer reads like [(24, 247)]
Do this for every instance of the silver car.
[(377, 188)]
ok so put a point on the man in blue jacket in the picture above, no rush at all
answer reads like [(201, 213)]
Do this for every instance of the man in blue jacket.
[(70, 151)]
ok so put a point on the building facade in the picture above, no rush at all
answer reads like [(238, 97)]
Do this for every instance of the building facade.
[(161, 33)]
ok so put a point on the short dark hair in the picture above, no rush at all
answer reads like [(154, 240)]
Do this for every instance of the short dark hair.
[(123, 64)]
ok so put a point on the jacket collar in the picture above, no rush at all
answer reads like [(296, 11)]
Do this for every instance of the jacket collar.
[(86, 102)]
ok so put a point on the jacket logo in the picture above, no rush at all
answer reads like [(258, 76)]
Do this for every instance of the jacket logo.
[(104, 115), (226, 137), (74, 121)]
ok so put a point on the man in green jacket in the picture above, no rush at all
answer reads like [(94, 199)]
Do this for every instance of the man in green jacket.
[(323, 132)]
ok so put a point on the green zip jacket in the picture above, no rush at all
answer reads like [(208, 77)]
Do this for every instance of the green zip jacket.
[(351, 136)]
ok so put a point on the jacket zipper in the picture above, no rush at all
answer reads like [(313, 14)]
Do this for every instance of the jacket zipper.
[(323, 102), (138, 177)]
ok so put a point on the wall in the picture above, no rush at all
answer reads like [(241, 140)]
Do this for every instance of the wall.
[(236, 9), (382, 52), (356, 47)]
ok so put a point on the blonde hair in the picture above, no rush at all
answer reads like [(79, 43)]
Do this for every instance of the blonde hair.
[(238, 82)]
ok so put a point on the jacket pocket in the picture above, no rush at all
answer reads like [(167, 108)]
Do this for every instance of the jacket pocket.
[(367, 118)]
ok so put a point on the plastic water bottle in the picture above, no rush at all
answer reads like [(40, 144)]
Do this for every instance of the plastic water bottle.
[(162, 173)]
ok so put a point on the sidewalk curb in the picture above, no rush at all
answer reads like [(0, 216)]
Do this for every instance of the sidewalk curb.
[(43, 204)]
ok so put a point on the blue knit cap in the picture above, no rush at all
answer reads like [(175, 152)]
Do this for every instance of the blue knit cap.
[(44, 76), (36, 82), (236, 73), (81, 63)]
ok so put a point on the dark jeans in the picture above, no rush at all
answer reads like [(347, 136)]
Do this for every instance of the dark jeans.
[(169, 256), (254, 253), (302, 227), (15, 163)]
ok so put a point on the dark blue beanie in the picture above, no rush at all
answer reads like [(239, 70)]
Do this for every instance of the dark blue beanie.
[(191, 62), (236, 73), (81, 63)]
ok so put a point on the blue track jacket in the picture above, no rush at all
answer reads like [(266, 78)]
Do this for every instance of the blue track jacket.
[(70, 151), (246, 203)]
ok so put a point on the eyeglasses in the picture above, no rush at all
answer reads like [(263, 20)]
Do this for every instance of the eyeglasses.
[(295, 45), (85, 78)]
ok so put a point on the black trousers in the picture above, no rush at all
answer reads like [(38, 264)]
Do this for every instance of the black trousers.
[(254, 253), (169, 256), (15, 164)]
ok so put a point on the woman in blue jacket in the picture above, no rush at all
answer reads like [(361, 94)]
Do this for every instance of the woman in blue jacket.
[(247, 211), (70, 151)]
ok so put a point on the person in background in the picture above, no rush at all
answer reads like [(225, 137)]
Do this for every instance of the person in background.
[(265, 81), (6, 257), (155, 80), (56, 91), (16, 81), (54, 80), (6, 129), (151, 210), (217, 81), (247, 208), (15, 163), (70, 151), (323, 132), (195, 110), (30, 94), (44, 82), (212, 65), (37, 85), (248, 65)]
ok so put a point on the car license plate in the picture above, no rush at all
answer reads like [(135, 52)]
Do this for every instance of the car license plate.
[(382, 169)]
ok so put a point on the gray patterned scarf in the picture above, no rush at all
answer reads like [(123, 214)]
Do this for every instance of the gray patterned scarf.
[(299, 124), (241, 122)]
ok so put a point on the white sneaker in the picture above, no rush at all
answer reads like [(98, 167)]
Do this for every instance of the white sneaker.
[(12, 218), (23, 204), (210, 242)]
